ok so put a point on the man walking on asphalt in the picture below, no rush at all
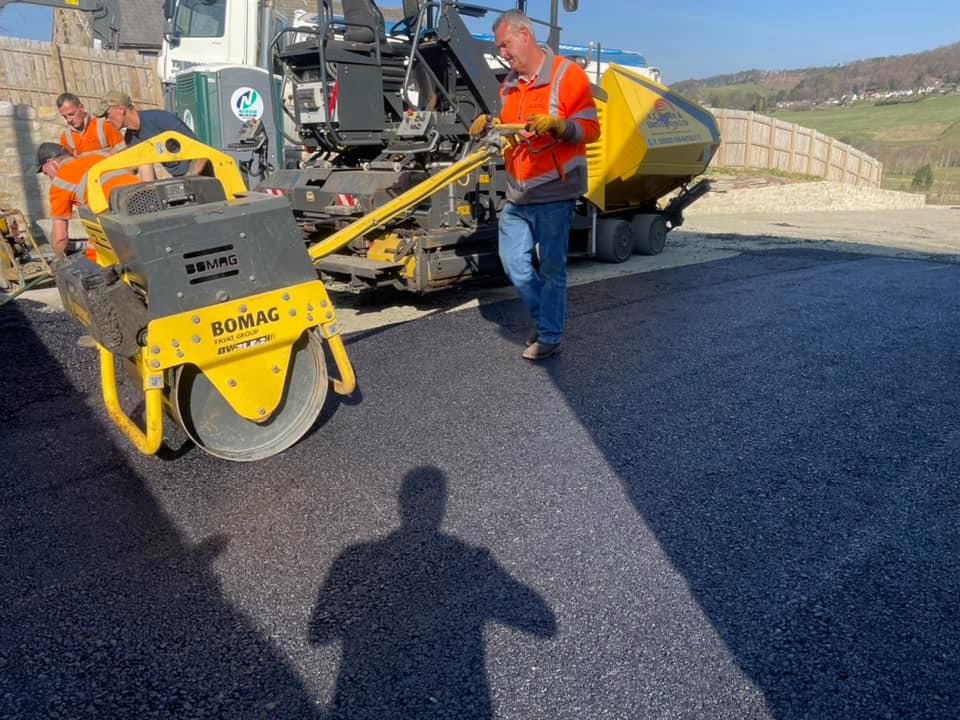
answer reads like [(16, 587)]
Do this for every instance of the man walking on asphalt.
[(86, 133), (545, 174), (140, 125)]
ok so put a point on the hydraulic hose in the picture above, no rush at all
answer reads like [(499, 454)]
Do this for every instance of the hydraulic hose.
[(36, 281)]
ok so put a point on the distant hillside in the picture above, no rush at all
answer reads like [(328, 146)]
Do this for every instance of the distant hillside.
[(877, 78)]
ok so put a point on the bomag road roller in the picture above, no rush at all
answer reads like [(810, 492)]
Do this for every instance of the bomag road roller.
[(208, 296)]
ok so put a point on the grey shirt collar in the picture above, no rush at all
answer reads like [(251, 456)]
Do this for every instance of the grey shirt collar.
[(543, 76)]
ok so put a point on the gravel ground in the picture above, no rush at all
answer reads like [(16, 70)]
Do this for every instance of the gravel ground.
[(804, 197)]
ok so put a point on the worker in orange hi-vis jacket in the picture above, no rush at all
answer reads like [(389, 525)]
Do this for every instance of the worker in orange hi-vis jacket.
[(545, 174), (68, 187), (86, 133)]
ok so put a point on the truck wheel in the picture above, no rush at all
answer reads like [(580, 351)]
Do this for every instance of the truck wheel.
[(614, 240), (649, 234)]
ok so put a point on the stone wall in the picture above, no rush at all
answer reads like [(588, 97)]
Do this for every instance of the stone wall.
[(22, 129)]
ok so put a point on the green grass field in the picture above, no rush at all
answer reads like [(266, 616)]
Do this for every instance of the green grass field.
[(923, 121), (903, 137)]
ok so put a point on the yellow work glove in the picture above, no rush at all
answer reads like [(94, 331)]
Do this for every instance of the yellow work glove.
[(543, 124), (478, 128)]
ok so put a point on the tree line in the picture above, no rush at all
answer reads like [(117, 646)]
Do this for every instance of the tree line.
[(758, 89)]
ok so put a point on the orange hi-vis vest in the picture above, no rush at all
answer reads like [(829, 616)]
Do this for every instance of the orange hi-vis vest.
[(97, 135), (544, 169), (69, 188)]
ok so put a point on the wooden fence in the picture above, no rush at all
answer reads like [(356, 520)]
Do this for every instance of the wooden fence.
[(34, 73), (757, 141)]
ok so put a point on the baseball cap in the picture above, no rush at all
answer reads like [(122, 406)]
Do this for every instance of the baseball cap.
[(112, 99), (47, 151)]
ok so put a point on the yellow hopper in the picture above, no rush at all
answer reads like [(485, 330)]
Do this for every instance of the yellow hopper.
[(653, 142)]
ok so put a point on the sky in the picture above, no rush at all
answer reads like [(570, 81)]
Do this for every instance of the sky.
[(26, 21), (699, 39)]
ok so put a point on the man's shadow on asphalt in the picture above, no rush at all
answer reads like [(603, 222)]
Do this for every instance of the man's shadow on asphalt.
[(410, 610)]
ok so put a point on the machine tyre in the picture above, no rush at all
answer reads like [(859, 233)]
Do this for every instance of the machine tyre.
[(614, 240), (649, 234), (214, 426)]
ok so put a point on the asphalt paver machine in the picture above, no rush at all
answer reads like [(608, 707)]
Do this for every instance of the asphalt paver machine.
[(388, 108)]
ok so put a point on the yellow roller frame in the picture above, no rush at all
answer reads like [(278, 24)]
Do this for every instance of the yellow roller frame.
[(248, 368), (156, 150), (146, 441)]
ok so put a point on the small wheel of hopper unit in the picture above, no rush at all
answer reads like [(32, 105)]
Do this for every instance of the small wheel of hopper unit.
[(614, 240), (213, 425), (649, 234)]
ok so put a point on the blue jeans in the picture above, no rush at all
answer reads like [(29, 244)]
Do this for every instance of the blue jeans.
[(544, 290)]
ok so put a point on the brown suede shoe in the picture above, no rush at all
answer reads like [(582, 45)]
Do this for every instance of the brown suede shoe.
[(532, 336), (540, 350)]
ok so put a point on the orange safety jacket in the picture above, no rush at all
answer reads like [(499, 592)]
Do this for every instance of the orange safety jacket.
[(98, 134), (69, 188), (543, 169)]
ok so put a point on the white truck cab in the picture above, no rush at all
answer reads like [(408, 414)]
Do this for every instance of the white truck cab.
[(216, 32)]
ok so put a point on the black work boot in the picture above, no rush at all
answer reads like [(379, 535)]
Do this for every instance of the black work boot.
[(540, 350)]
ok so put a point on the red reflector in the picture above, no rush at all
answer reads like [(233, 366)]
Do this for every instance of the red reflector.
[(333, 96)]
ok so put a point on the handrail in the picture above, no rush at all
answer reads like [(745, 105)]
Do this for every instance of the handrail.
[(321, 32), (404, 91), (168, 146)]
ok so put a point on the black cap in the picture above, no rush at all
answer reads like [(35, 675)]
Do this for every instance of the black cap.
[(48, 151)]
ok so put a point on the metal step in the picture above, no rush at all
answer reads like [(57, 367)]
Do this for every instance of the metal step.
[(354, 265)]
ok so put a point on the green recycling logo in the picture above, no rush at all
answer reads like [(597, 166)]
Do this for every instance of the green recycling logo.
[(247, 103)]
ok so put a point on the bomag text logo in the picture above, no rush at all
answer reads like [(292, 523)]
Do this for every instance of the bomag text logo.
[(209, 264), (244, 322)]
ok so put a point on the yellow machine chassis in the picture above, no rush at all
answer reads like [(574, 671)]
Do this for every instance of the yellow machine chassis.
[(252, 380)]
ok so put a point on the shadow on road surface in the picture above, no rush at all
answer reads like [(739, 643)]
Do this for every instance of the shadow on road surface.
[(410, 611), (788, 428), (107, 610)]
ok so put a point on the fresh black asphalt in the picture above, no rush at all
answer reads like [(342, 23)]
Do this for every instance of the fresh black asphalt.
[(733, 495)]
